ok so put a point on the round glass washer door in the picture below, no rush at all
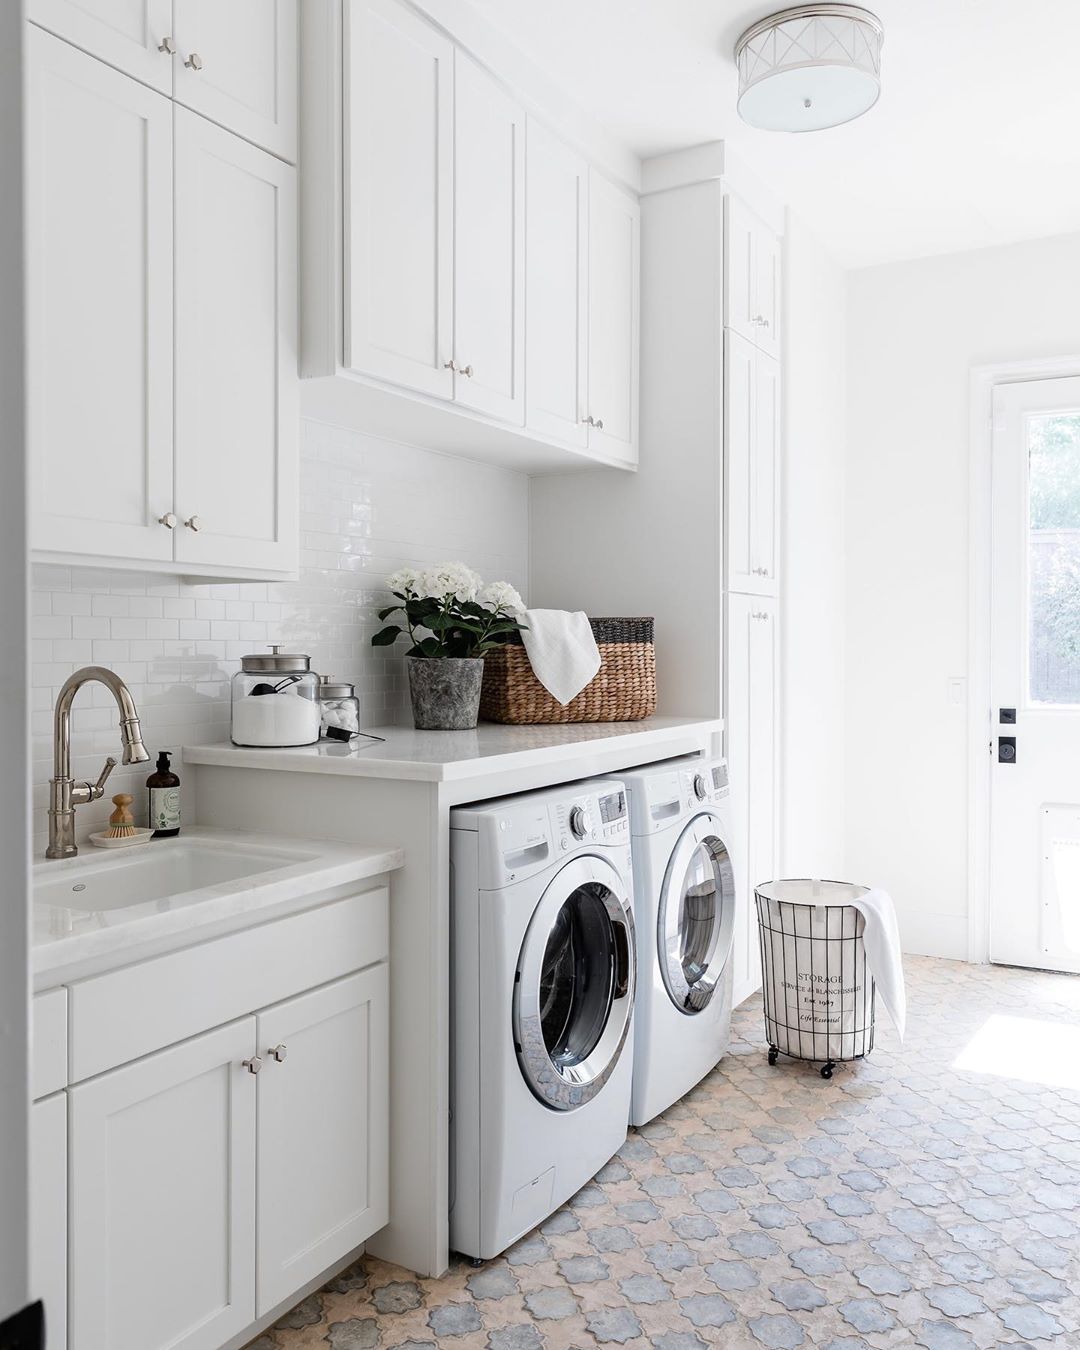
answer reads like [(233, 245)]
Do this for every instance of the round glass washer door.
[(696, 922), (574, 989)]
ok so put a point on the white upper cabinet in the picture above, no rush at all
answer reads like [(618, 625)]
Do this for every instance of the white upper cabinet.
[(323, 1123), (135, 36), (752, 467), (556, 288), (614, 289), (752, 290), (236, 409), (99, 306), (236, 63), (489, 245), (399, 198)]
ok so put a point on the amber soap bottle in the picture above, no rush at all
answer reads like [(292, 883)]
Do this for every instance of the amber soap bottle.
[(163, 791)]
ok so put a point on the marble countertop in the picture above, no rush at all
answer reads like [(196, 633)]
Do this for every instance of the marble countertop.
[(451, 756), (81, 925)]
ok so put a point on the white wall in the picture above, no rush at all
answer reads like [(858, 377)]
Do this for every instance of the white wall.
[(916, 330), (366, 507), (812, 653), (14, 905)]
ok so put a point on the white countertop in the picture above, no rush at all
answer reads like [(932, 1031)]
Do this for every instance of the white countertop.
[(451, 756), (71, 942)]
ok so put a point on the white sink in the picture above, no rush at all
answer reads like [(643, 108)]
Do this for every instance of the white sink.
[(158, 871)]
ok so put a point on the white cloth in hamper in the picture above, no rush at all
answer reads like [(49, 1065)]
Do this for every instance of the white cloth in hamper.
[(881, 938), (562, 651)]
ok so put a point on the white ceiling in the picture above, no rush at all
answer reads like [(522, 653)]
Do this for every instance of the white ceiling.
[(975, 141)]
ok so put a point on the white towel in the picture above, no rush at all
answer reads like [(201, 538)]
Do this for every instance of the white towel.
[(562, 651), (881, 938)]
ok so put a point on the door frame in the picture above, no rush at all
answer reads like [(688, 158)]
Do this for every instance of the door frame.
[(980, 723)]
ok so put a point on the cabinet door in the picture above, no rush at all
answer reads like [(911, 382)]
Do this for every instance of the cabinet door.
[(236, 364), (765, 474), (489, 245), (751, 742), (752, 466), (556, 287), (752, 291), (323, 1129), (767, 290), (127, 34), (237, 64), (48, 1214), (398, 197), (99, 306), (163, 1198), (614, 288)]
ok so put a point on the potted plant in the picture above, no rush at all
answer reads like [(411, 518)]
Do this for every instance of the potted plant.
[(452, 619)]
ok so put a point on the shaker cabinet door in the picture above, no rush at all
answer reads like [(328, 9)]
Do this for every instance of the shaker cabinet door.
[(614, 290), (236, 382), (752, 289), (163, 1198), (127, 34), (751, 466), (99, 306), (237, 64), (48, 1214), (489, 245), (556, 287), (323, 1129), (398, 193)]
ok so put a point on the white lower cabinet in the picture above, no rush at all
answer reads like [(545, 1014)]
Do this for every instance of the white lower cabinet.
[(323, 1081), (750, 732), (163, 1198), (48, 1214)]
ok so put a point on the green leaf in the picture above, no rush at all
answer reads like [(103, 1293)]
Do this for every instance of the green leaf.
[(386, 637), (384, 614)]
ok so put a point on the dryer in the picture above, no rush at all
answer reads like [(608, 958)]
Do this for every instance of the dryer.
[(543, 980), (684, 883)]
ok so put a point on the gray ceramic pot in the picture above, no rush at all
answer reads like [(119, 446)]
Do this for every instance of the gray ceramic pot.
[(445, 691)]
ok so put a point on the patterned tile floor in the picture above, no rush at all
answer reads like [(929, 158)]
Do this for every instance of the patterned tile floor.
[(928, 1196)]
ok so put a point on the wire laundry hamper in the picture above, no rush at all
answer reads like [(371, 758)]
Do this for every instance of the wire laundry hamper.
[(818, 991)]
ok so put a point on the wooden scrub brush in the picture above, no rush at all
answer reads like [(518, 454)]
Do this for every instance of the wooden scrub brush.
[(121, 822)]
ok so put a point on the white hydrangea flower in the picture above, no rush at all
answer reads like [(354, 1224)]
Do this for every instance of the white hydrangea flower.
[(448, 579), (501, 595), (403, 580)]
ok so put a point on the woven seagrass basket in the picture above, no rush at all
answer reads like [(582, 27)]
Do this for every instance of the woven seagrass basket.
[(623, 689)]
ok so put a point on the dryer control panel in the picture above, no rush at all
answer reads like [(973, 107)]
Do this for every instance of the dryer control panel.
[(668, 792)]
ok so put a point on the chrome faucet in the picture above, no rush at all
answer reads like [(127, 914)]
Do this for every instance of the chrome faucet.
[(64, 794)]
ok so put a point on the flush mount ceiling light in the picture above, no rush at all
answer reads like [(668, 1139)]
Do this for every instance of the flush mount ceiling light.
[(809, 67)]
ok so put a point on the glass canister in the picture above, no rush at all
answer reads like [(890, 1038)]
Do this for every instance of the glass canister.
[(340, 709), (275, 700)]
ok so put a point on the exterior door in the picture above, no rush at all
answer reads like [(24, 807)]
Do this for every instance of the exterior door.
[(614, 288), (99, 306), (574, 990), (323, 1129), (237, 64), (132, 35), (1035, 675), (399, 197), (163, 1198), (236, 382), (696, 920), (556, 283), (489, 245)]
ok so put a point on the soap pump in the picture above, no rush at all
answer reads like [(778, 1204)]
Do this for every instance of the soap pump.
[(163, 790)]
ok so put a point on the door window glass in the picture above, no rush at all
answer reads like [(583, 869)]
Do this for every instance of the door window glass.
[(697, 934), (577, 977), (1054, 558)]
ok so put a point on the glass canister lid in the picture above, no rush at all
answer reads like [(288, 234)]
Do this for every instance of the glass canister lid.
[(276, 663), (331, 688)]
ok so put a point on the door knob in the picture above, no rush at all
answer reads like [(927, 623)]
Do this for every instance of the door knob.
[(467, 371), (194, 62), (194, 523), (168, 46), (279, 1053), (449, 365), (168, 520), (253, 1065)]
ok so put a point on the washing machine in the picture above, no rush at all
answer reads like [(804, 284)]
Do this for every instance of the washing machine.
[(684, 883), (543, 976)]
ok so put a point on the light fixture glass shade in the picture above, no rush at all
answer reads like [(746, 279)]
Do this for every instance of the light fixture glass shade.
[(810, 67)]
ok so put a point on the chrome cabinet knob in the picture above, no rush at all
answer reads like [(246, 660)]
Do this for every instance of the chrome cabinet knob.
[(279, 1053), (467, 371), (194, 523), (194, 62), (761, 572), (168, 520), (449, 365), (253, 1065), (168, 46), (597, 422), (760, 320)]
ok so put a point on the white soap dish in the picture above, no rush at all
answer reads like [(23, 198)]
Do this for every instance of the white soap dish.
[(142, 835)]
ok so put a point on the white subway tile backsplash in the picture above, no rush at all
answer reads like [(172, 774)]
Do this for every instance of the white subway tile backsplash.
[(367, 507)]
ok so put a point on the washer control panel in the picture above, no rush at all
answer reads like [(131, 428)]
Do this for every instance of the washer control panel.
[(704, 783), (598, 817)]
